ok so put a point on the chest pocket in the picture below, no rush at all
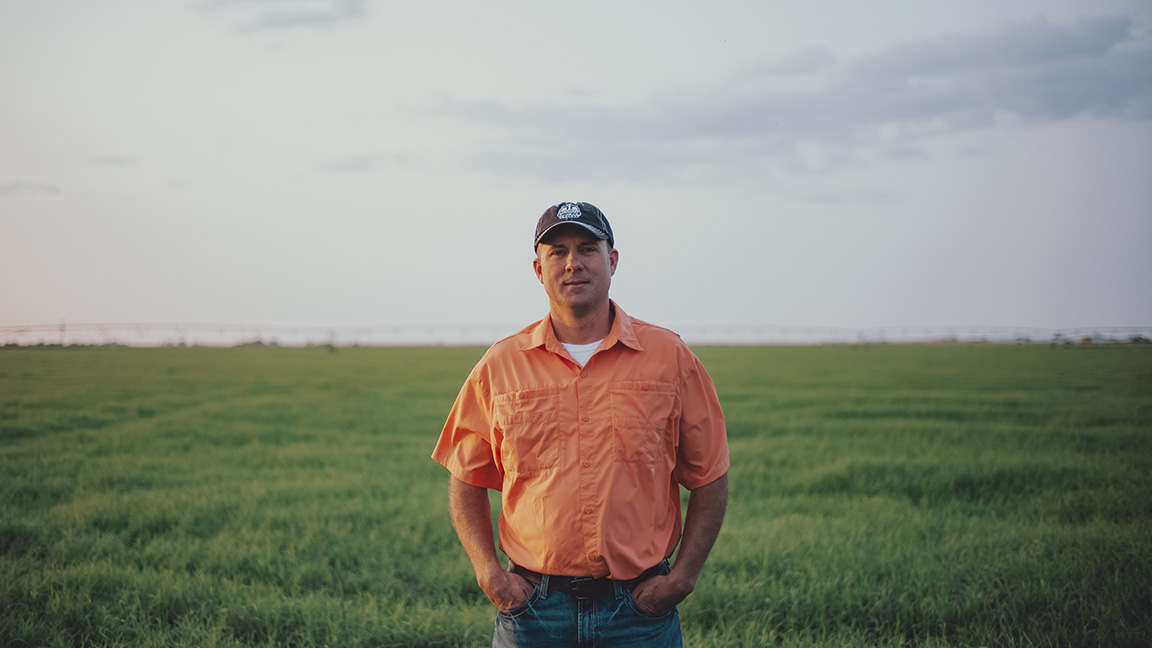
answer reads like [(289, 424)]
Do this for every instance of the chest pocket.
[(530, 421), (641, 421)]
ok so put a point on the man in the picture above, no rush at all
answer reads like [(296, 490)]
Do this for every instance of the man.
[(588, 423)]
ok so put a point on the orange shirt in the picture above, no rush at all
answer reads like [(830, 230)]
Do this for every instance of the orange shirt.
[(589, 461)]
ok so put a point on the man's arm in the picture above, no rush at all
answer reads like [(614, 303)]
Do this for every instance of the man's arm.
[(706, 507), (472, 519)]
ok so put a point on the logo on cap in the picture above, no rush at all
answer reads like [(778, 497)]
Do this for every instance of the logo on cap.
[(568, 211)]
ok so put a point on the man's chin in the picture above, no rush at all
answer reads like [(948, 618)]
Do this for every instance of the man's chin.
[(575, 301)]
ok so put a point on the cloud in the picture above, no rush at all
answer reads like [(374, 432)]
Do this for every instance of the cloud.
[(1036, 70), (114, 161), (806, 61), (372, 162), (811, 112), (287, 14), (29, 188)]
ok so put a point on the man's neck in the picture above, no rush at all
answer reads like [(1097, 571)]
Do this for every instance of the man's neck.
[(582, 328)]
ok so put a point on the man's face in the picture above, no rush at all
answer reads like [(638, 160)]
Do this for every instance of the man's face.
[(575, 267)]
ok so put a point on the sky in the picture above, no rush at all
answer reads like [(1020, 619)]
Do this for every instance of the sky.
[(361, 162)]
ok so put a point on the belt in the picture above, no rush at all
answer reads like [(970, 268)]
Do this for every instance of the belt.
[(585, 587)]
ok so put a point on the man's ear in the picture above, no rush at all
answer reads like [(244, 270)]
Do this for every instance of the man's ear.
[(538, 269), (613, 259)]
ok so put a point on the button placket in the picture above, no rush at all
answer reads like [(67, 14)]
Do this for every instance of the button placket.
[(588, 486)]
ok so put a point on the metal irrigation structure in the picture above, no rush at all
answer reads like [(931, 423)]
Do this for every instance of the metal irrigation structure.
[(206, 334)]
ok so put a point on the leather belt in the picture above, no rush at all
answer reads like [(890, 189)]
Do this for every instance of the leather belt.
[(585, 587)]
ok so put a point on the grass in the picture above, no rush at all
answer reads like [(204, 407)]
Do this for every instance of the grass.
[(881, 496)]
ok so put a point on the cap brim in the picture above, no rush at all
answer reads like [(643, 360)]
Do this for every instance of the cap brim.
[(600, 234)]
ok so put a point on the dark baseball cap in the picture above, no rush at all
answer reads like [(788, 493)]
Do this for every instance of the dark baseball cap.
[(583, 214)]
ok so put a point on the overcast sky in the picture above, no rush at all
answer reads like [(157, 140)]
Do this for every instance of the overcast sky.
[(362, 162)]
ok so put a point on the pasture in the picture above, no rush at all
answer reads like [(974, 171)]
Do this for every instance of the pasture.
[(881, 496)]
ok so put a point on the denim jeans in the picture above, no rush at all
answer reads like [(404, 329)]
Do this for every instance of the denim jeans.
[(555, 619)]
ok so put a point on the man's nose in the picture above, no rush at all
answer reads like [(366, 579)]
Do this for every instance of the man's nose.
[(574, 262)]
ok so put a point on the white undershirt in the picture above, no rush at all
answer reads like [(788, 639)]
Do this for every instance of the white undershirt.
[(581, 352)]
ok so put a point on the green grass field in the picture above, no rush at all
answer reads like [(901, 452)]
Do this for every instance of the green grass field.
[(881, 496)]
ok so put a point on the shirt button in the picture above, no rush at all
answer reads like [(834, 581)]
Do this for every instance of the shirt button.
[(585, 418), (587, 464), (593, 556), (583, 374), (588, 509)]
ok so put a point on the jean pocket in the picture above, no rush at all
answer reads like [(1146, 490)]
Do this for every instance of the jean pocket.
[(523, 607), (641, 612)]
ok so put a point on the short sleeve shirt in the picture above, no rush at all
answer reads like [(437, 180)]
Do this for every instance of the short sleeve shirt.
[(589, 460)]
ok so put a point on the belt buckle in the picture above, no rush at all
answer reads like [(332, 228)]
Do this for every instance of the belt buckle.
[(578, 584)]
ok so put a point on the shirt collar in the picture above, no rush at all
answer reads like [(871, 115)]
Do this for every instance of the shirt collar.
[(623, 331)]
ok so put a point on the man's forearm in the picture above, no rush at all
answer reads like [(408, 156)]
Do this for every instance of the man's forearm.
[(472, 519), (706, 507)]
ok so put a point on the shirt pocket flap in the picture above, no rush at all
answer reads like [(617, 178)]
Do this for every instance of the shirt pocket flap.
[(641, 420), (529, 420)]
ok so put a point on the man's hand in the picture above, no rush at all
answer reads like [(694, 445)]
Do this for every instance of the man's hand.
[(505, 589), (659, 594)]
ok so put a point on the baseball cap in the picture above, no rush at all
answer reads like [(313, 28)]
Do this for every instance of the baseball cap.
[(583, 214)]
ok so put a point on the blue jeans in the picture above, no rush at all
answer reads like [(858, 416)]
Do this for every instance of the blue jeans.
[(557, 620)]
